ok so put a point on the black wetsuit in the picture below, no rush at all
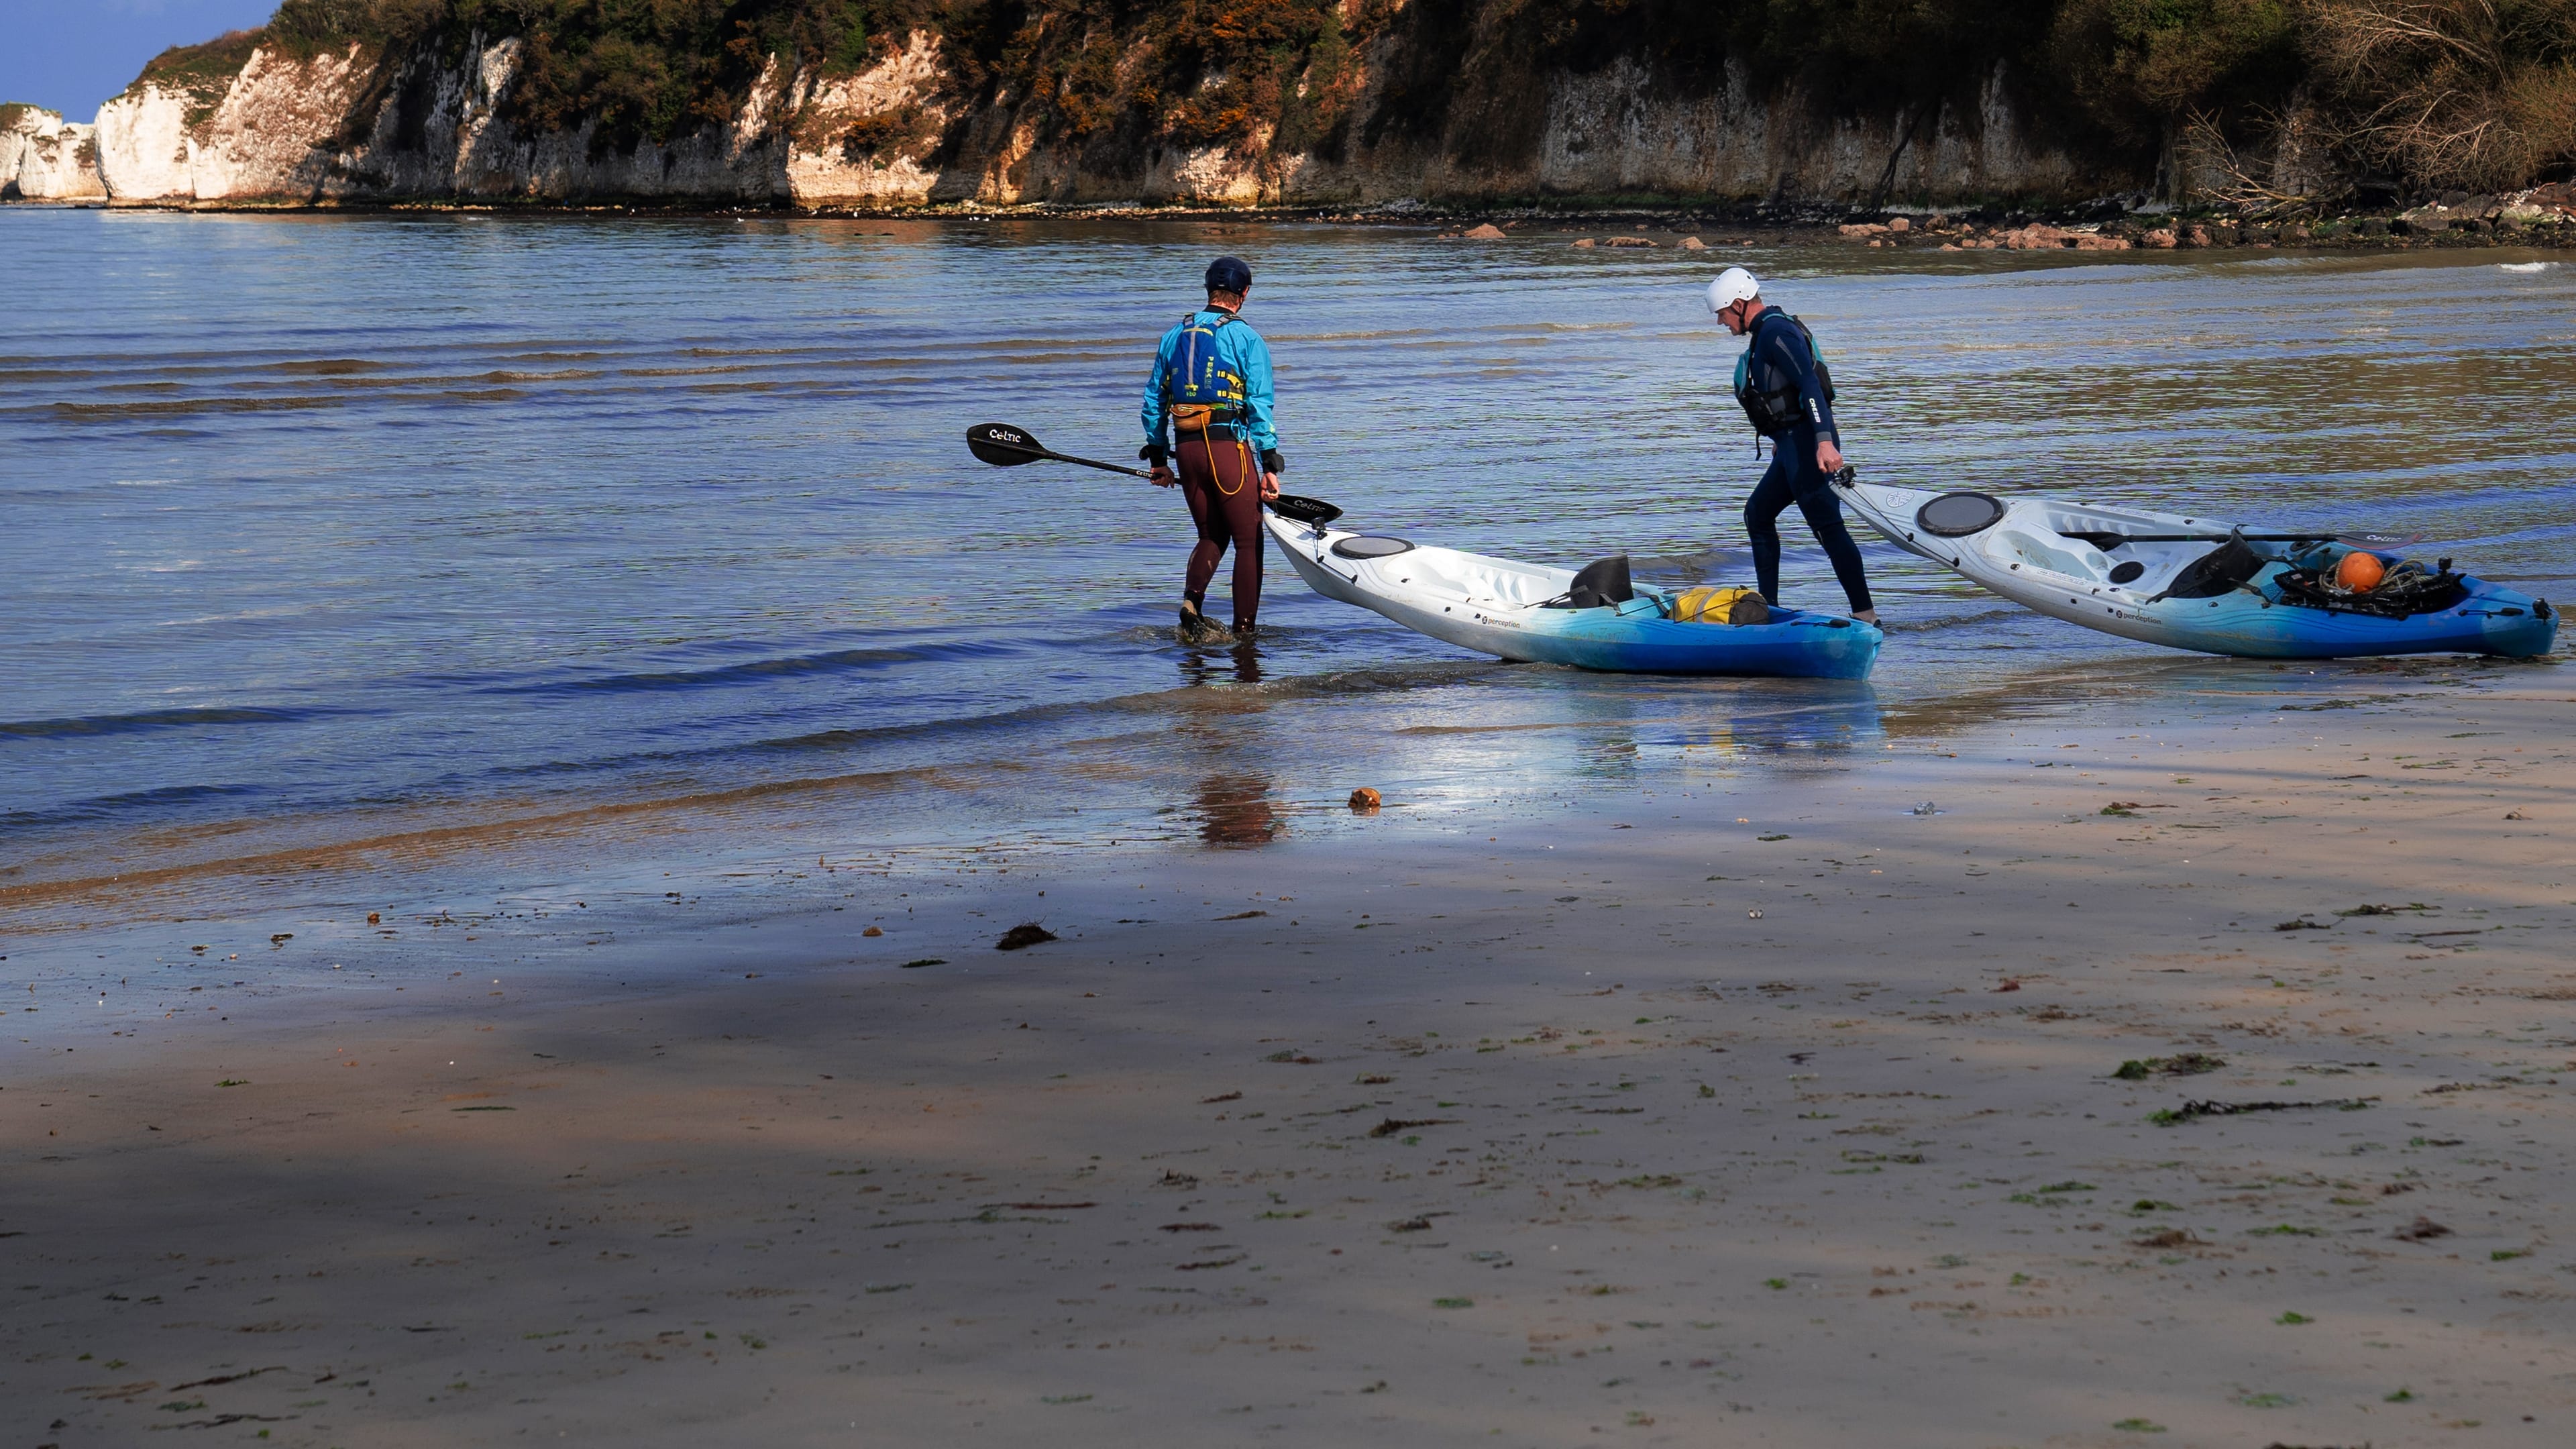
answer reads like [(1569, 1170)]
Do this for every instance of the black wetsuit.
[(1221, 481), (1793, 475)]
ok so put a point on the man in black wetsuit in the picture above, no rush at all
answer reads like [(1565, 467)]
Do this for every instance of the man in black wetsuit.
[(1785, 390)]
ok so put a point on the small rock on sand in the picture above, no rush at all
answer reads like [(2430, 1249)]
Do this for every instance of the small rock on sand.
[(1692, 244), (1365, 799), (1027, 933), (1486, 232)]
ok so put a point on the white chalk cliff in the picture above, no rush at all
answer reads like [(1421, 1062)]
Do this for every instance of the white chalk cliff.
[(45, 158), (331, 128), (352, 125)]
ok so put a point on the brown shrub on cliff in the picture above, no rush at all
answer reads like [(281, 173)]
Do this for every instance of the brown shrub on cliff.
[(2469, 93)]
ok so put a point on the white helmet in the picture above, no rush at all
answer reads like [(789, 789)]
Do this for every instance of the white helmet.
[(1732, 286)]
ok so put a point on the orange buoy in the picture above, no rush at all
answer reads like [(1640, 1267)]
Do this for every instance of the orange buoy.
[(2360, 572)]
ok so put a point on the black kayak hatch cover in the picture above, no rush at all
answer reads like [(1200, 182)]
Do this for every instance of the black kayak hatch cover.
[(1956, 515), (1368, 546)]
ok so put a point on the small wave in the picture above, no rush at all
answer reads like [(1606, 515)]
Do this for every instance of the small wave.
[(1361, 681), (1382, 679), (325, 366), (837, 661), (176, 407), (109, 807), (2524, 266), (154, 719), (1935, 623)]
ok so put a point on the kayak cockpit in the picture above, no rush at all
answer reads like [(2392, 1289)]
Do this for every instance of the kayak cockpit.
[(1467, 578), (2114, 548)]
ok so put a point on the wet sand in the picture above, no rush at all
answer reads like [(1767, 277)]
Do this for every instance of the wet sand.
[(1614, 1120)]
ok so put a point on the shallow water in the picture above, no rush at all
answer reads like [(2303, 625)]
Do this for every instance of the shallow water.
[(322, 527)]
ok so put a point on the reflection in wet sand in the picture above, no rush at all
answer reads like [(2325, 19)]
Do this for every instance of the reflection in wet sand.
[(1237, 810)]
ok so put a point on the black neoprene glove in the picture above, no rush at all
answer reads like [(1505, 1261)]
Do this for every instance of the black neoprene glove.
[(1156, 454), (1271, 462)]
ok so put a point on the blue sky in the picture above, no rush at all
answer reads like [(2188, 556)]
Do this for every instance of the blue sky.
[(69, 55)]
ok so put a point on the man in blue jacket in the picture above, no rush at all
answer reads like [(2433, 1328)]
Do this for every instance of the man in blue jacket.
[(1788, 394), (1207, 409)]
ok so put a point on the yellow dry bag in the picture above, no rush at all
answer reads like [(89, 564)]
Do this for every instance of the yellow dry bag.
[(1720, 606)]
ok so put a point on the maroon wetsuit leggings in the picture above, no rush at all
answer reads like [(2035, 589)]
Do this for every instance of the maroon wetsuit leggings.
[(1221, 478)]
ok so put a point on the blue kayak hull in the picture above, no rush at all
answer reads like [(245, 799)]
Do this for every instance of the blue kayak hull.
[(1497, 606), (2491, 620), (1795, 645)]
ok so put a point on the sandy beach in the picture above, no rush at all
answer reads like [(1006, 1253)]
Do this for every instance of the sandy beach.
[(1738, 1107)]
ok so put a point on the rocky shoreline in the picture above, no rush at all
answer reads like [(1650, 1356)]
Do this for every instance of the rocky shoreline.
[(2514, 221), (2542, 216)]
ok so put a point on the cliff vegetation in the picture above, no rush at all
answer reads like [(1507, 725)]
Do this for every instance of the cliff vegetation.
[(2269, 105)]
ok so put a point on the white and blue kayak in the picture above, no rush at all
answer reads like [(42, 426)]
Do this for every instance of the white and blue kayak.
[(2197, 583), (1528, 612)]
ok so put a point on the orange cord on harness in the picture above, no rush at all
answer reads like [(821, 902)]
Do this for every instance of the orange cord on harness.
[(1207, 440)]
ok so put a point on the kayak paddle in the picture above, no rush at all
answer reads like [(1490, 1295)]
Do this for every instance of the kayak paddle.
[(1005, 446)]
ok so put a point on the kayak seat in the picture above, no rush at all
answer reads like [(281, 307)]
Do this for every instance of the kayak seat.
[(1597, 585), (2039, 550), (2222, 570), (1367, 546)]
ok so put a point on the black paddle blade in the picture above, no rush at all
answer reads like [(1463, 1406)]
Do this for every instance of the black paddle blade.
[(1003, 445), (1296, 508)]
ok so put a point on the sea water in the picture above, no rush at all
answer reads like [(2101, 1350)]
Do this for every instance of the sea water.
[(326, 529)]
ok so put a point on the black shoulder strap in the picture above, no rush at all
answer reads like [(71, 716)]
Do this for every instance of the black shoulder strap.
[(1761, 324)]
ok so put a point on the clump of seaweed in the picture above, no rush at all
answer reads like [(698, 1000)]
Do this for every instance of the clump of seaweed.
[(2183, 1064)]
